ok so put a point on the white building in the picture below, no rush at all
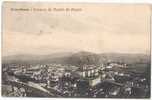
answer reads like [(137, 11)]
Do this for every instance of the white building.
[(90, 73)]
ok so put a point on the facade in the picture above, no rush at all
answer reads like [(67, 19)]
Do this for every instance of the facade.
[(90, 73), (95, 81)]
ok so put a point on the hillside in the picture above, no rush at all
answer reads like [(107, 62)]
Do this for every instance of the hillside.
[(77, 59)]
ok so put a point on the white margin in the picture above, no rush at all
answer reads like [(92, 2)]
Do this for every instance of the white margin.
[(69, 1)]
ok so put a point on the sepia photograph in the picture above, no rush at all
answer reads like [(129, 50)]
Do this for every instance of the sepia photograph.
[(76, 50)]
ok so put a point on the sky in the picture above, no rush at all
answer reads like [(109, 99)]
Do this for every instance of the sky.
[(98, 28)]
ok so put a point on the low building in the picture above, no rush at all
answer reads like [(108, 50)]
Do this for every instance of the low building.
[(88, 71), (90, 74), (95, 81)]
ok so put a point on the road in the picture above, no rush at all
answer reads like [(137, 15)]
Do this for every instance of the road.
[(34, 89)]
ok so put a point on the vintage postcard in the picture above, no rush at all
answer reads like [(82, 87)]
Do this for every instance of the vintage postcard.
[(76, 50)]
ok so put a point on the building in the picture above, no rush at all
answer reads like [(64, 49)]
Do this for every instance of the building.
[(90, 74), (88, 71)]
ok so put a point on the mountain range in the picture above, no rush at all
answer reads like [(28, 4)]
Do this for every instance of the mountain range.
[(77, 59)]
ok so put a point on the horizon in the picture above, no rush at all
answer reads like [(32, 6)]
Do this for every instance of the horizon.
[(148, 54)]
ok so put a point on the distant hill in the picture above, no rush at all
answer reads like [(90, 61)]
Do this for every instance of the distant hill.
[(36, 59), (77, 59), (81, 58), (126, 58)]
